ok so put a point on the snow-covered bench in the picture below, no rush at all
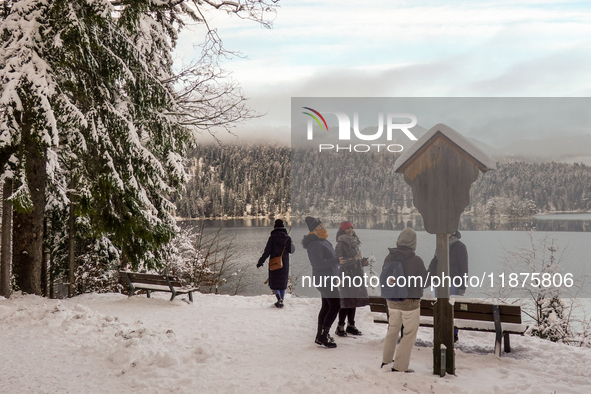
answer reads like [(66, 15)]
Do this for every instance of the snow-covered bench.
[(469, 314), (156, 282)]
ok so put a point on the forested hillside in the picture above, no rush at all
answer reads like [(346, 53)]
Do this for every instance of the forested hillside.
[(257, 180), (551, 186), (236, 181)]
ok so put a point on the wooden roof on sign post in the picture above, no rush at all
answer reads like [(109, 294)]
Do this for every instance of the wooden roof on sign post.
[(440, 168), (455, 139)]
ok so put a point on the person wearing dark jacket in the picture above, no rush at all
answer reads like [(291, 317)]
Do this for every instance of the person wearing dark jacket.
[(347, 250), (324, 264), (458, 263), (458, 267), (406, 312), (279, 244)]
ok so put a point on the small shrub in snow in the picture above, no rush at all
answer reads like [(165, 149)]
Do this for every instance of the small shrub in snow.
[(553, 320)]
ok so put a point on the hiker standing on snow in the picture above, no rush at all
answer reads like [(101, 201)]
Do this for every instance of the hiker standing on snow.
[(404, 312), (279, 244), (351, 266), (324, 264), (458, 266)]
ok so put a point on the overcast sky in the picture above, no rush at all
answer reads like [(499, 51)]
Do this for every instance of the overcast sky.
[(389, 48)]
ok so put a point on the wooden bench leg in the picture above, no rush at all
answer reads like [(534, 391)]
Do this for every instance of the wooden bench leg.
[(191, 296), (507, 343), (148, 293), (498, 330)]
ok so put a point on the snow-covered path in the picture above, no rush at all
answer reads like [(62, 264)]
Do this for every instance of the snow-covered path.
[(109, 343)]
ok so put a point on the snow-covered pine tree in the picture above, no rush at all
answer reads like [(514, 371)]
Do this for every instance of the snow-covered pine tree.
[(28, 127)]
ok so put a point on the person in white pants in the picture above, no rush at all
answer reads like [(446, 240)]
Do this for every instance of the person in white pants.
[(410, 319), (405, 312)]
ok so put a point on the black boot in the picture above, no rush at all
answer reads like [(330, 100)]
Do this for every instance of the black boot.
[(325, 340), (279, 303), (351, 329), (341, 330), (318, 332)]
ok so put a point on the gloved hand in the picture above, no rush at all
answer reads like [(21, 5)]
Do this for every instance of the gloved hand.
[(259, 265)]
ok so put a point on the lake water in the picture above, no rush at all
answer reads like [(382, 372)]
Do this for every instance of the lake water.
[(491, 246)]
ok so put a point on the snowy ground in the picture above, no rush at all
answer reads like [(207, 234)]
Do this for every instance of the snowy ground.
[(109, 343)]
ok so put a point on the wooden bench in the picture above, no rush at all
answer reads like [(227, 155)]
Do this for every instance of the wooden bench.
[(471, 315), (156, 282)]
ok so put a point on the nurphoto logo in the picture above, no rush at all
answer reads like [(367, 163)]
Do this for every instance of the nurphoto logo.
[(344, 133)]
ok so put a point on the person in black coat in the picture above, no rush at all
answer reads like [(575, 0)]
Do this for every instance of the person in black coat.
[(458, 263), (458, 267), (324, 264), (279, 244), (351, 266)]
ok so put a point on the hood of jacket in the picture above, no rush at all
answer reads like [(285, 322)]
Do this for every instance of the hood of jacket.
[(308, 239), (400, 253), (279, 231)]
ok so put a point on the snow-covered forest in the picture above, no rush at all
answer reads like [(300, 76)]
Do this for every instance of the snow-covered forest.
[(256, 180), (96, 117), (236, 181)]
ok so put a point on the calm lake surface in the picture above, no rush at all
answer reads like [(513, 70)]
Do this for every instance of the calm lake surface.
[(491, 246)]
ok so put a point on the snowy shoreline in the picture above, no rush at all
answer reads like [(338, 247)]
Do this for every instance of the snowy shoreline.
[(345, 216), (108, 343)]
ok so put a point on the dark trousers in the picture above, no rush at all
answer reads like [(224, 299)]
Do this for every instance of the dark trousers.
[(347, 313), (329, 311)]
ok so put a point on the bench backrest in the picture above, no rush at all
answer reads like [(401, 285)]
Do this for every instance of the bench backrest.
[(462, 310), (152, 279)]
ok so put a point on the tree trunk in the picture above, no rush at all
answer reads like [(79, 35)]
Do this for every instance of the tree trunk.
[(5, 289), (51, 278), (71, 245), (27, 244), (45, 273)]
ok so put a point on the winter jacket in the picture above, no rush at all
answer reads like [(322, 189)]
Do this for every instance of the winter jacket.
[(347, 247), (458, 262), (413, 266), (275, 246), (323, 260)]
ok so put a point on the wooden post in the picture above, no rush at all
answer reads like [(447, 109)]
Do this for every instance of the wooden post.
[(440, 168), (443, 313), (5, 288)]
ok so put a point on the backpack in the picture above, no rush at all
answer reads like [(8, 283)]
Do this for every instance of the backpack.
[(390, 273)]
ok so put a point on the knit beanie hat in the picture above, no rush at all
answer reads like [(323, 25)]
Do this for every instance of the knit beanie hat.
[(407, 238), (346, 225), (278, 224), (312, 223)]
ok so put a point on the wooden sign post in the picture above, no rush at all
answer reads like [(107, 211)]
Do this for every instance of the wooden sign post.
[(440, 168)]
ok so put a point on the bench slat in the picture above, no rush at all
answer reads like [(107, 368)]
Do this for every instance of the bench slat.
[(486, 317), (142, 277), (147, 286), (471, 325), (486, 308)]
